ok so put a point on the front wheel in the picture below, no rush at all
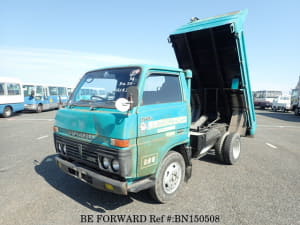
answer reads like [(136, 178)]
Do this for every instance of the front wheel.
[(169, 178), (232, 148), (7, 112)]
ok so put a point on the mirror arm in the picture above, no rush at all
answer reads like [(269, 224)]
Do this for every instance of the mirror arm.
[(130, 101)]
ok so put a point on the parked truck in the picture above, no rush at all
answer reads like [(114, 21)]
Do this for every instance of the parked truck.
[(282, 103), (295, 101), (158, 118)]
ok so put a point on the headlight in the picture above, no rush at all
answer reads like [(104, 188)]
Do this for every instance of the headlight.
[(105, 162), (115, 165), (59, 147), (64, 149)]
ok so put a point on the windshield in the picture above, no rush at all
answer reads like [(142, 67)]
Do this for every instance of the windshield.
[(285, 98), (295, 92), (103, 87), (28, 90), (273, 94), (267, 94)]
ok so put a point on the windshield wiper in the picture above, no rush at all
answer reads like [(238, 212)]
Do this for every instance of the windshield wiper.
[(102, 105), (72, 105), (93, 104), (78, 103)]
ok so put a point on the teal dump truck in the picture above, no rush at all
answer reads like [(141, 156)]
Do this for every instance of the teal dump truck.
[(150, 121)]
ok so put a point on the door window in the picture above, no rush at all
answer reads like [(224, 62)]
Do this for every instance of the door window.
[(62, 91), (160, 88), (39, 91), (53, 90)]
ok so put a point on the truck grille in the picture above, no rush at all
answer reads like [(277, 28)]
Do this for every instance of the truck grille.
[(86, 154), (83, 151)]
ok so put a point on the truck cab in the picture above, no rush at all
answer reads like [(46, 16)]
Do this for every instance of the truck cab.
[(282, 103), (295, 101), (153, 119)]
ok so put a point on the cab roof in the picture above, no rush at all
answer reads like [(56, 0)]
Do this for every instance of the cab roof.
[(143, 67)]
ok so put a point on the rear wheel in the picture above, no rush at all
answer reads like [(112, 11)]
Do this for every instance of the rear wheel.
[(232, 148), (219, 148), (7, 112), (169, 178), (39, 108)]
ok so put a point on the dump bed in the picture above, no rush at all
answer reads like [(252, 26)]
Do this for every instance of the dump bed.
[(214, 49)]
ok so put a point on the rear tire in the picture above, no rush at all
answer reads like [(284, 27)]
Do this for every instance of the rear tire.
[(7, 112), (169, 177), (232, 148), (219, 148), (39, 108)]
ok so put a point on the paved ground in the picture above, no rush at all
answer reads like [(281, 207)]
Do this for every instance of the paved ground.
[(262, 188)]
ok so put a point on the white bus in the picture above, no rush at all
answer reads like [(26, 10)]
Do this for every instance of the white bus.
[(11, 96), (264, 99)]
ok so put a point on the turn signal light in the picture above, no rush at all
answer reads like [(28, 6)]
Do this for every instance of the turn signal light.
[(120, 143), (55, 129)]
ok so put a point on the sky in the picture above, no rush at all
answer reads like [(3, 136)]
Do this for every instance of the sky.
[(56, 42)]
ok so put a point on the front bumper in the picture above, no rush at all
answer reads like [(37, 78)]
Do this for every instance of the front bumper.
[(30, 107), (102, 182)]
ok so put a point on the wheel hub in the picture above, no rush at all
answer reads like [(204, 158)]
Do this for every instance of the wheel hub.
[(172, 177), (236, 149), (7, 112)]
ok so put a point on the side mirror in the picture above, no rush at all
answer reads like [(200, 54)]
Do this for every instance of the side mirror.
[(122, 104), (133, 95)]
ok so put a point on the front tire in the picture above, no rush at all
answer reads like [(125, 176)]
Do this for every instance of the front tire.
[(169, 177), (7, 112), (232, 148)]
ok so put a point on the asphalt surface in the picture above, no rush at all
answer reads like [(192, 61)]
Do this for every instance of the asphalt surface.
[(262, 188)]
